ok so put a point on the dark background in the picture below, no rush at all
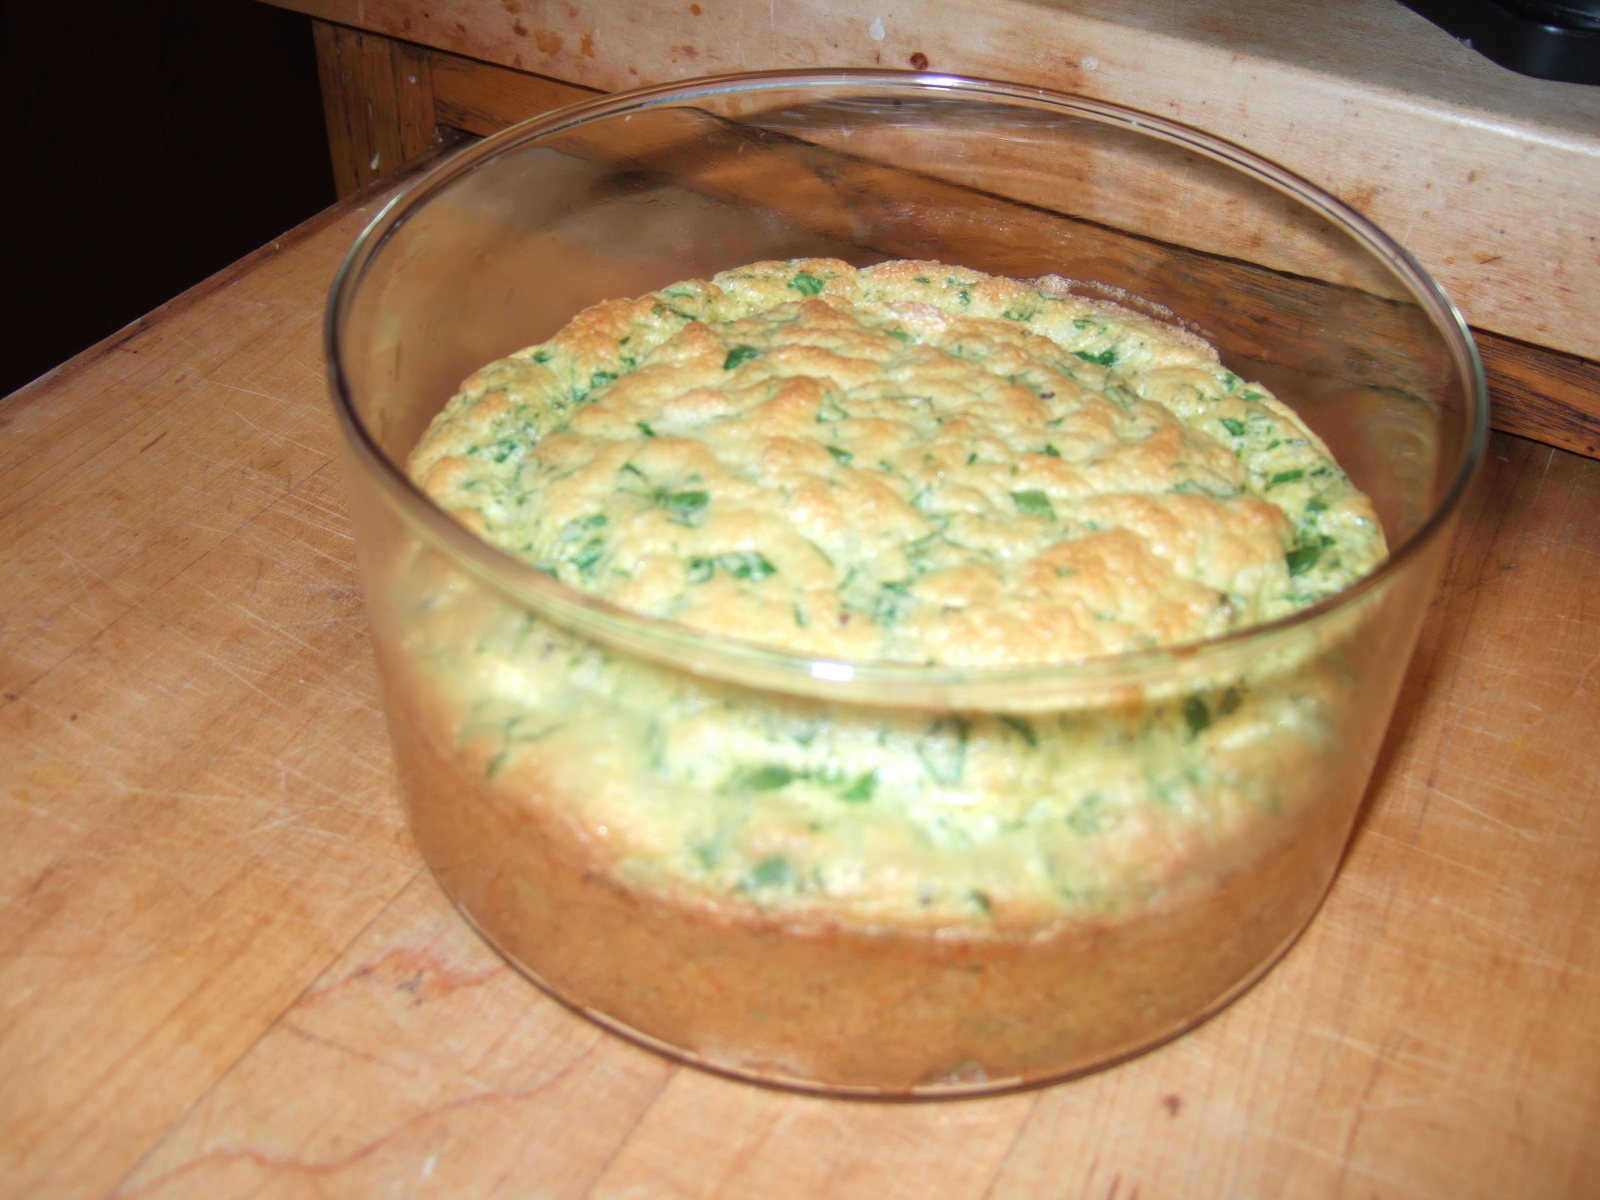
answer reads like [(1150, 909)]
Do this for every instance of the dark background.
[(147, 144)]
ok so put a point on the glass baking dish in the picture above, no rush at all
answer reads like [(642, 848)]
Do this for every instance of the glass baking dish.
[(589, 785)]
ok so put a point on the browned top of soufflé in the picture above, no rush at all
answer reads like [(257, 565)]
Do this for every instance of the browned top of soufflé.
[(910, 461)]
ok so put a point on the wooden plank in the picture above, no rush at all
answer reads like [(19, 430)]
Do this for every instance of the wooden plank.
[(481, 98), (1542, 394), (377, 96), (1490, 178)]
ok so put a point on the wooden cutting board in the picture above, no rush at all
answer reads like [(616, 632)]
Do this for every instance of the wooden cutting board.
[(224, 970)]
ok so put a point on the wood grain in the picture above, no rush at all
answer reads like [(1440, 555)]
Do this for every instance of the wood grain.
[(377, 96), (481, 98), (1542, 394), (1552, 397), (225, 972), (1490, 178), (195, 779)]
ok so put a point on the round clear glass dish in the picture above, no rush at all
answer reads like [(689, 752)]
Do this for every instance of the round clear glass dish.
[(1156, 827)]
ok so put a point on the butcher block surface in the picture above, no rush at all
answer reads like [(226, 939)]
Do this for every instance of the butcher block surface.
[(224, 970)]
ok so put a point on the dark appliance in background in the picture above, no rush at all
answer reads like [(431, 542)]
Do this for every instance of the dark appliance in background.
[(147, 143), (1548, 39)]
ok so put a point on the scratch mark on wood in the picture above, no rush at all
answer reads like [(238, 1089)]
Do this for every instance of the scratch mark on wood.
[(276, 1165)]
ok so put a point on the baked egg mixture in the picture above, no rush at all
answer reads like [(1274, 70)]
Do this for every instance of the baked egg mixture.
[(909, 462)]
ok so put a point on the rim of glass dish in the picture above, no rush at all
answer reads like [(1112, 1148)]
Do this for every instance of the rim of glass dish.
[(909, 684)]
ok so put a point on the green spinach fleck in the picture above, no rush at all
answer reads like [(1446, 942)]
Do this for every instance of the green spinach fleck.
[(686, 508), (1101, 358), (746, 564), (588, 555), (768, 778), (862, 789), (1021, 727), (1033, 503), (1302, 558), (892, 604), (1085, 818), (943, 750), (769, 872)]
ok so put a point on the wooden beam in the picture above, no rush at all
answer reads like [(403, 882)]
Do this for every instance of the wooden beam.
[(377, 96), (1542, 394), (480, 98)]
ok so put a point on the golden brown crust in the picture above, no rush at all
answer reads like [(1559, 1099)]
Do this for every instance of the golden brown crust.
[(886, 464)]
